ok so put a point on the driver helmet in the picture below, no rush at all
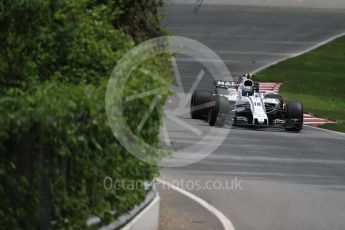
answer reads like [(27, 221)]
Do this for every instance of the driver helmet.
[(248, 75)]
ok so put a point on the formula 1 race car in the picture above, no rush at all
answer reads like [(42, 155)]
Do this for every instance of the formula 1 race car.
[(241, 103)]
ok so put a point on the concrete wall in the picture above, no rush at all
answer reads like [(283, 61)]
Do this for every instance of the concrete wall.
[(148, 219)]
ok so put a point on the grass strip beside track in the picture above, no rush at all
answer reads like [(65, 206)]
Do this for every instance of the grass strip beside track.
[(317, 79)]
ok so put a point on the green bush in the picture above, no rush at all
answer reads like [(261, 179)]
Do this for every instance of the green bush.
[(140, 19), (60, 39), (56, 147), (69, 40)]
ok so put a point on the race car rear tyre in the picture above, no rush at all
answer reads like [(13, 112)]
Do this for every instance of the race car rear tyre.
[(294, 113), (199, 98), (219, 105)]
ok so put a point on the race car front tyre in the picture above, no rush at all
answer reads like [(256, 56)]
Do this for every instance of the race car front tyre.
[(199, 104), (219, 106), (294, 115)]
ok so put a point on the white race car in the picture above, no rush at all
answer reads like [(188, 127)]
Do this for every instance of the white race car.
[(241, 103)]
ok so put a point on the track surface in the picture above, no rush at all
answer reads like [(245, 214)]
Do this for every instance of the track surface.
[(289, 180)]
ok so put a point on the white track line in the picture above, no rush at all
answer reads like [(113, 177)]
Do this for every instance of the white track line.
[(318, 45), (300, 53), (221, 217), (327, 130)]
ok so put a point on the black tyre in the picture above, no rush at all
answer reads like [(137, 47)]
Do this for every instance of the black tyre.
[(200, 98), (294, 115), (219, 106)]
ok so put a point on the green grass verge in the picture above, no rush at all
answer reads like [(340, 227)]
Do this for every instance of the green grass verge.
[(317, 79)]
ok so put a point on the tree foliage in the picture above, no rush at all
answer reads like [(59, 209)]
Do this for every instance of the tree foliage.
[(55, 144), (61, 39)]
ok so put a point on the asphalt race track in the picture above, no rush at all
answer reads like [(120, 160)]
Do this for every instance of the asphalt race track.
[(292, 181)]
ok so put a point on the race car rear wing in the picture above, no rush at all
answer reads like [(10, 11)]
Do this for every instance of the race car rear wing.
[(224, 84)]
